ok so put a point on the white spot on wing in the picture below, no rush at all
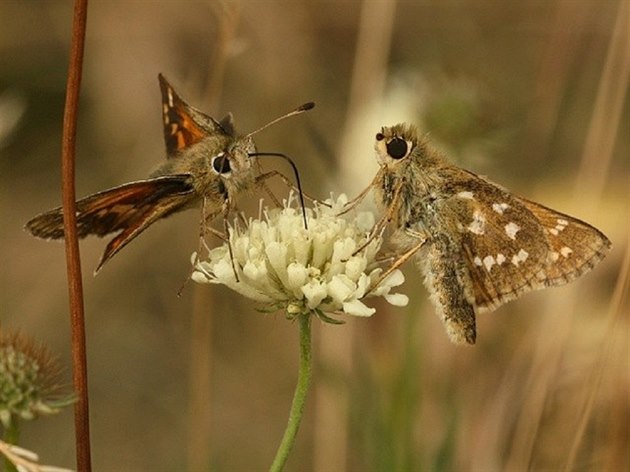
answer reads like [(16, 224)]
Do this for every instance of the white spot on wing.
[(488, 261), (478, 223), (500, 259), (466, 195), (478, 261), (562, 223), (566, 251), (511, 229), (554, 256), (520, 257), (500, 207)]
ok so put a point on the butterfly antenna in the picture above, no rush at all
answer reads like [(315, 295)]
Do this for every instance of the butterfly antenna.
[(298, 111), (295, 172)]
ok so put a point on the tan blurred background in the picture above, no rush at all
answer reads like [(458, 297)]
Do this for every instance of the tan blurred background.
[(530, 93)]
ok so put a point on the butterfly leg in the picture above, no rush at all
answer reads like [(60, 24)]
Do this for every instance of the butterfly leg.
[(203, 228), (358, 199), (387, 218), (261, 182), (400, 260), (226, 213), (386, 258)]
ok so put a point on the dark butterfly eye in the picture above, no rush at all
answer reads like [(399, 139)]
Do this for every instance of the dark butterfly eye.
[(380, 136), (221, 164), (397, 148)]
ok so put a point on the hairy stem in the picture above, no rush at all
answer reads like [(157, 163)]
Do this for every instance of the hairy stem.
[(299, 397)]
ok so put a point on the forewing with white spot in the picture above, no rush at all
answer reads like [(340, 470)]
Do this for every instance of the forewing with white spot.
[(524, 246)]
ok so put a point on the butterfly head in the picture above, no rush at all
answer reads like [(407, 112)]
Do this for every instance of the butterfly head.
[(234, 165), (241, 154), (395, 144)]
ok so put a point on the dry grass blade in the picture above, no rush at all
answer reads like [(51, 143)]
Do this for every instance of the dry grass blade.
[(605, 124), (376, 24), (604, 357), (596, 160), (607, 113), (199, 387)]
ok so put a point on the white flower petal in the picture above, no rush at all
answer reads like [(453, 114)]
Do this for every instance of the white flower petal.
[(340, 288), (341, 201), (343, 249), (355, 266), (315, 292), (357, 308), (201, 277), (302, 248), (277, 257), (362, 285), (394, 279), (250, 292), (255, 270), (397, 299), (297, 276), (240, 246), (322, 249), (224, 271)]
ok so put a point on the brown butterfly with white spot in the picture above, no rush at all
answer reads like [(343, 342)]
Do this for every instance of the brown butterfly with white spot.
[(207, 162), (477, 245)]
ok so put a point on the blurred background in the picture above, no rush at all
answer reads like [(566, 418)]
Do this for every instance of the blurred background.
[(532, 94)]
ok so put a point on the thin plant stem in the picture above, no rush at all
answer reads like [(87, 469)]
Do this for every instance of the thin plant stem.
[(199, 444), (11, 436), (73, 263), (12, 432), (299, 397)]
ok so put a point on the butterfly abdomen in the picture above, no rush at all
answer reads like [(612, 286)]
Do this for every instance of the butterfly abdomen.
[(448, 294)]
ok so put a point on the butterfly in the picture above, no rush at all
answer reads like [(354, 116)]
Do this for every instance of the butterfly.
[(477, 244), (207, 163)]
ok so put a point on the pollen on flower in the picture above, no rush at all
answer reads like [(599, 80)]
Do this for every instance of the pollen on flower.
[(284, 266)]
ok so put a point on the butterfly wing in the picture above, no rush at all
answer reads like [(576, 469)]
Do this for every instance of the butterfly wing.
[(145, 215), (129, 208), (511, 245), (488, 246), (184, 125), (575, 247)]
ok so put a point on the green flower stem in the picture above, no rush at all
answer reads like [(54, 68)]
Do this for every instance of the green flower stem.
[(11, 436), (299, 397)]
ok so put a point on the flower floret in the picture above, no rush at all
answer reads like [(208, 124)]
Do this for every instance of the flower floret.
[(329, 267)]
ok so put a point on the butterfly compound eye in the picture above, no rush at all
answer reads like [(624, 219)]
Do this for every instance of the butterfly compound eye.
[(221, 164), (397, 148), (380, 136)]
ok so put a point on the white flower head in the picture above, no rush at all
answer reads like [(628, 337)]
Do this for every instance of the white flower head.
[(286, 266)]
